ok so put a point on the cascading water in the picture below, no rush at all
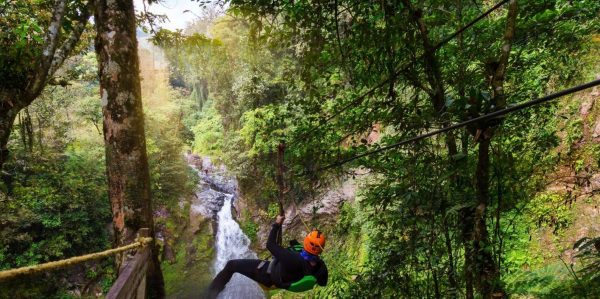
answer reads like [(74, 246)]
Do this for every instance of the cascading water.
[(232, 243), (215, 195)]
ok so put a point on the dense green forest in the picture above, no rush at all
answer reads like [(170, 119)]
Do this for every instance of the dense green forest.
[(506, 207)]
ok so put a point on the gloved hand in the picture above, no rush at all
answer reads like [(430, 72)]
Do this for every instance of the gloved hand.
[(279, 219)]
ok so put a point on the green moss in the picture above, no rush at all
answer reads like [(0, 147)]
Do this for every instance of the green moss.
[(191, 271), (550, 210), (250, 228), (273, 210), (592, 154), (551, 281), (574, 134)]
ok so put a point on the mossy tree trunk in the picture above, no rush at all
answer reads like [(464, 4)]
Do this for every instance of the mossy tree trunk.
[(123, 126), (8, 114)]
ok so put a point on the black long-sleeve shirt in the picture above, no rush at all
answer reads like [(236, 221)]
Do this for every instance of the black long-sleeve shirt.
[(292, 266)]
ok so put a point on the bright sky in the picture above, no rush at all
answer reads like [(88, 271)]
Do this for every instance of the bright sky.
[(174, 11)]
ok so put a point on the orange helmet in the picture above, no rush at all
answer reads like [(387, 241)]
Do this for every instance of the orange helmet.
[(314, 242)]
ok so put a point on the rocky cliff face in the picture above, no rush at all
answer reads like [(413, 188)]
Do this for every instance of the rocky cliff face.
[(323, 210), (214, 186), (577, 178)]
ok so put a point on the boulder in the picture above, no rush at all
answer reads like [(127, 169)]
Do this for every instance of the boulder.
[(596, 131)]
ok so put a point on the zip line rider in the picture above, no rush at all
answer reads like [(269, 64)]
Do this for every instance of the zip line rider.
[(297, 268)]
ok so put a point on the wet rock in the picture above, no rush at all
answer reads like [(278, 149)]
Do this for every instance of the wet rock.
[(215, 186), (324, 206), (208, 202), (220, 183), (323, 209), (586, 107), (195, 161), (596, 132), (234, 213), (595, 182), (213, 202)]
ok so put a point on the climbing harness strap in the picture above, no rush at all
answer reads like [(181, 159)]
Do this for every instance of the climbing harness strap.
[(262, 263), (271, 266)]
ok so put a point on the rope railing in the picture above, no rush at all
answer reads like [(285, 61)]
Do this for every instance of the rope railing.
[(29, 270)]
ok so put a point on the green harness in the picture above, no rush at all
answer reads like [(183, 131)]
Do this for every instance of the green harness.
[(304, 284)]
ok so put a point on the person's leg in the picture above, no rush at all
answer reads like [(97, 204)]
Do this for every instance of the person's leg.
[(245, 267)]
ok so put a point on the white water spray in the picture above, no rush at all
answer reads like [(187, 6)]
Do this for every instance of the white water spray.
[(216, 192), (231, 244)]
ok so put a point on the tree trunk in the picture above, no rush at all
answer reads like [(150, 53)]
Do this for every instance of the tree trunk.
[(451, 266), (485, 265), (123, 127), (7, 118), (28, 130), (466, 221), (432, 68), (40, 135)]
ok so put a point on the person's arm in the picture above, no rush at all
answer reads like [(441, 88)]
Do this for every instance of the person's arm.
[(275, 249), (289, 260), (322, 275)]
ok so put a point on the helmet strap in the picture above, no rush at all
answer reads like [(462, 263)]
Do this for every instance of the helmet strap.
[(307, 256)]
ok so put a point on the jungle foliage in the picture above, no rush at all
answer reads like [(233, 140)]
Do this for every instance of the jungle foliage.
[(334, 79), (57, 204), (474, 213)]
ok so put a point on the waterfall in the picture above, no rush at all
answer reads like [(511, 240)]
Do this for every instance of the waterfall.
[(232, 243), (214, 197)]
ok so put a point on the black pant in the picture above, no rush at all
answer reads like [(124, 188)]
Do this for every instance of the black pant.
[(245, 267)]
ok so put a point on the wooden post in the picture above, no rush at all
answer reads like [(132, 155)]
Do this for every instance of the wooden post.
[(143, 233), (141, 289)]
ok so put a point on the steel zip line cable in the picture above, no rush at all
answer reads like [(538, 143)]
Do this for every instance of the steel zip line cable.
[(399, 70), (491, 115)]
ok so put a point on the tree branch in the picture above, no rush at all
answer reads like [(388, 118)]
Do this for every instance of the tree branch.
[(432, 70), (500, 72), (50, 43), (339, 42), (414, 80), (68, 45)]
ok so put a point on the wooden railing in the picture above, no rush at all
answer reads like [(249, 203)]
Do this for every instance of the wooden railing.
[(131, 283)]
